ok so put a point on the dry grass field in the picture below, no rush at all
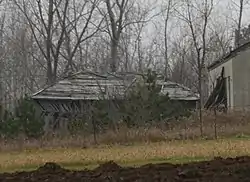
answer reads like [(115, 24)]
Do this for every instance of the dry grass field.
[(231, 125), (149, 149), (175, 143), (174, 152)]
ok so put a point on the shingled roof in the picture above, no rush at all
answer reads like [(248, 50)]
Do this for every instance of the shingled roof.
[(84, 85), (87, 85), (177, 91)]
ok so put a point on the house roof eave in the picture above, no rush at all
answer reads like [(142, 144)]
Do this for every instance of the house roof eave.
[(228, 56)]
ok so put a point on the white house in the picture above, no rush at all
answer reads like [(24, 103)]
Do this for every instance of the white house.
[(236, 77)]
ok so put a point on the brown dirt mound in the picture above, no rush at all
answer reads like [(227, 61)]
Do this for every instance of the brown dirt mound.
[(108, 167), (49, 167), (217, 170)]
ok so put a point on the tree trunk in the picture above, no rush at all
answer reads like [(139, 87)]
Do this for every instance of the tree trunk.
[(114, 55), (50, 74), (200, 104), (237, 38), (166, 71)]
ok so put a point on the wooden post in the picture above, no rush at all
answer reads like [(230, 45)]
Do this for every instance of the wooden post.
[(186, 135), (93, 123), (47, 125), (215, 124), (199, 118), (94, 129)]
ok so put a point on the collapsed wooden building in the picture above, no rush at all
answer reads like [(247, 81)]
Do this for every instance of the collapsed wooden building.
[(73, 95)]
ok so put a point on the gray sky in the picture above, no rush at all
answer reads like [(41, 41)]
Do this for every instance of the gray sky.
[(225, 13)]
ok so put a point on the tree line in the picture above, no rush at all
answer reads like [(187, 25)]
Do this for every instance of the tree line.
[(43, 40)]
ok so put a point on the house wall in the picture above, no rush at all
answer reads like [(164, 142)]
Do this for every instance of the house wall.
[(228, 74), (241, 86)]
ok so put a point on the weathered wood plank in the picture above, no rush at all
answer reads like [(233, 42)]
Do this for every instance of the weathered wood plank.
[(93, 86)]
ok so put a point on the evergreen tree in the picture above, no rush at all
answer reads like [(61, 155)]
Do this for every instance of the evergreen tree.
[(25, 120), (145, 103)]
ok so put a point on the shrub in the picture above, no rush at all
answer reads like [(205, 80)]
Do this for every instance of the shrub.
[(24, 120), (145, 104)]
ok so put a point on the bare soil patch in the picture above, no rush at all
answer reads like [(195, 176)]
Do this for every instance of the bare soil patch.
[(219, 169)]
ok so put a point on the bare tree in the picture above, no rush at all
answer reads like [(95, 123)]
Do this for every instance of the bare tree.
[(237, 38), (2, 56), (122, 14), (166, 22), (90, 28), (220, 39), (50, 25), (192, 12), (116, 24), (237, 7)]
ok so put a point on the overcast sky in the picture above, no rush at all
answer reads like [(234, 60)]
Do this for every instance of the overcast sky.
[(225, 13)]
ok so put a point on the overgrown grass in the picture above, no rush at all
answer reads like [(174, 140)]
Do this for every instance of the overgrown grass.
[(231, 125), (175, 142), (174, 152)]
